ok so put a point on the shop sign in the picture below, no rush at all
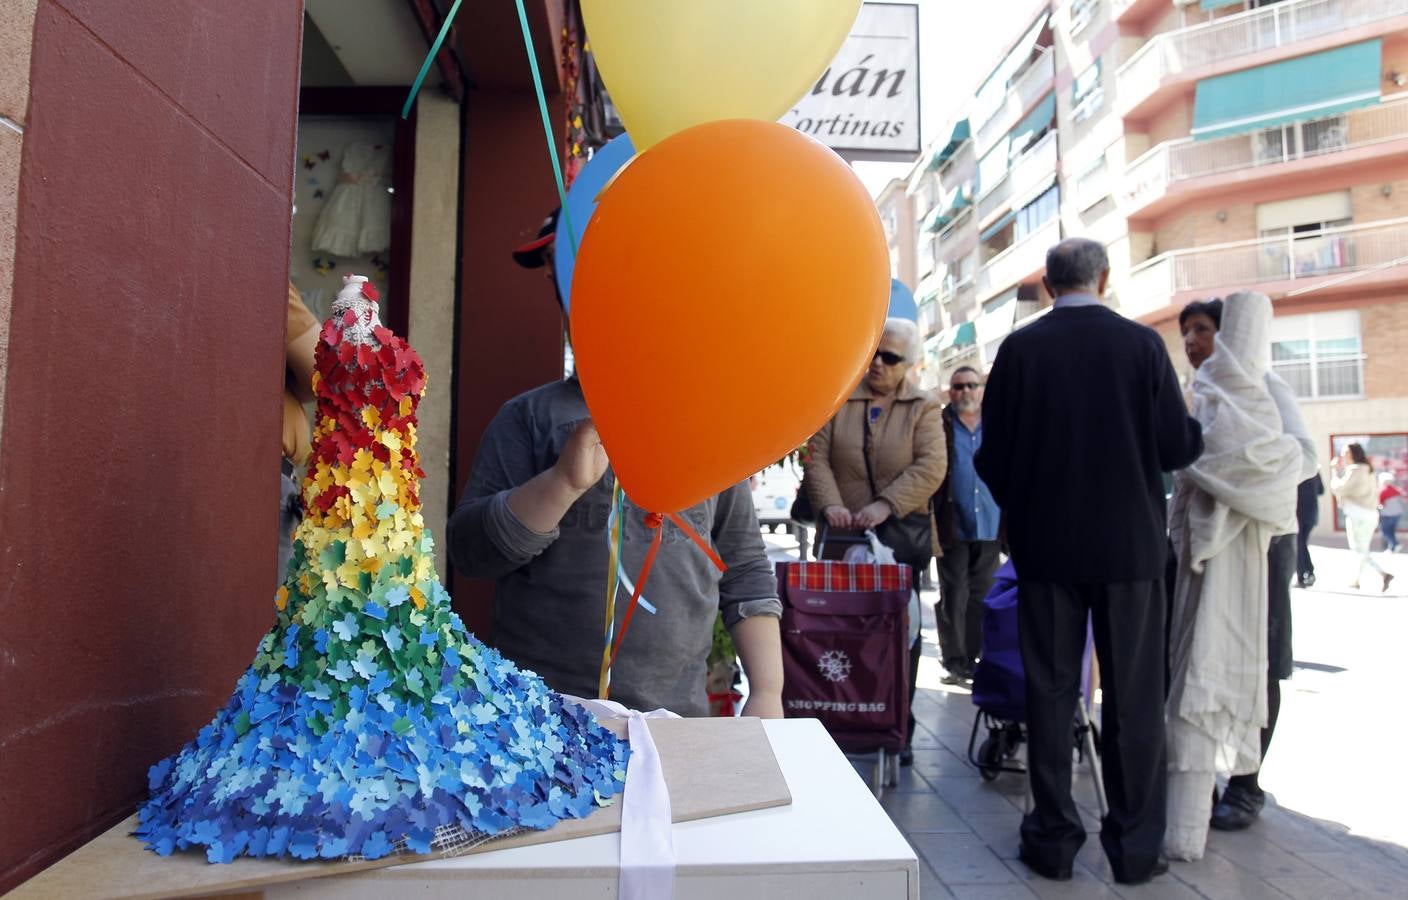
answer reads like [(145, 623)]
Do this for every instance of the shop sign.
[(866, 103)]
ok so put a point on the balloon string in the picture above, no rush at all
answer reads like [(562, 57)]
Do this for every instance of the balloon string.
[(603, 684), (429, 58), (653, 521), (703, 544), (547, 126)]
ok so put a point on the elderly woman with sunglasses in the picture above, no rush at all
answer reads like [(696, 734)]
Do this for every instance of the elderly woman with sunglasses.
[(881, 458)]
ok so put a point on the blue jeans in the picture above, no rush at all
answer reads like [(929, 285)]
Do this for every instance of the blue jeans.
[(1389, 526)]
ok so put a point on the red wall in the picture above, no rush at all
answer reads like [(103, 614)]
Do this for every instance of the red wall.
[(138, 472)]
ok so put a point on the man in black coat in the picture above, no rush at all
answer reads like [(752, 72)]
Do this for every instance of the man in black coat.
[(1082, 415)]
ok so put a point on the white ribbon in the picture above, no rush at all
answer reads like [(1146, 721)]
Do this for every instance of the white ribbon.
[(647, 834)]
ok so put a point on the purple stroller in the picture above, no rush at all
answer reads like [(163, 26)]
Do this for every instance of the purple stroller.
[(999, 692)]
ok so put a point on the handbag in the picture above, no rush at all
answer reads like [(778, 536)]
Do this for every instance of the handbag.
[(911, 536)]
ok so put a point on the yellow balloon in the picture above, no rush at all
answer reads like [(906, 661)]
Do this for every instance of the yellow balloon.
[(672, 64)]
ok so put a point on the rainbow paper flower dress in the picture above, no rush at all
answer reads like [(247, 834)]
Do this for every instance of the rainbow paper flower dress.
[(371, 721)]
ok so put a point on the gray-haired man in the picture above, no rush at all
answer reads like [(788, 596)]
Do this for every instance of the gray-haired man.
[(1082, 416)]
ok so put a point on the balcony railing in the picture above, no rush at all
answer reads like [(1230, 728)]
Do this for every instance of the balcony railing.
[(1027, 88), (1175, 161), (1259, 29), (1247, 264), (1026, 173), (1018, 261)]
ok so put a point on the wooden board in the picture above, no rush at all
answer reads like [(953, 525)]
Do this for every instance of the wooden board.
[(713, 767)]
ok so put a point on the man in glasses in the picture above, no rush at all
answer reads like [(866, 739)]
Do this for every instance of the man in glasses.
[(1082, 415), (534, 520), (967, 520)]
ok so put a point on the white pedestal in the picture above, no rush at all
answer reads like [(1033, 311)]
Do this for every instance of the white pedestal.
[(833, 841)]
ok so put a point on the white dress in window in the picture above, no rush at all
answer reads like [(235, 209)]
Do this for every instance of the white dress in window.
[(357, 218)]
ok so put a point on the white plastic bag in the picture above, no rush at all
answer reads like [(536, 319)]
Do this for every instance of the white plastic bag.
[(877, 552)]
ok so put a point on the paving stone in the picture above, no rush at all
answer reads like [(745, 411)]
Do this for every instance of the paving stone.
[(1082, 884), (916, 814), (1371, 877), (1218, 878), (961, 859)]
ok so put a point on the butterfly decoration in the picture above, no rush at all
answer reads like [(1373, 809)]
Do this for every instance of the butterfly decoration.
[(324, 155), (381, 263), (323, 265), (309, 162)]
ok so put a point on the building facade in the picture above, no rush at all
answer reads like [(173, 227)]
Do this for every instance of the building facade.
[(1213, 146)]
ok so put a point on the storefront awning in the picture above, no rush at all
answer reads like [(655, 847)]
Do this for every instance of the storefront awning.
[(1307, 87), (961, 132), (1218, 4)]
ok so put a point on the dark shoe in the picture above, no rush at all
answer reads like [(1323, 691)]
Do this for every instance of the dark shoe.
[(1308, 581), (1054, 873), (1387, 579), (1237, 809), (907, 756), (952, 678), (1160, 868)]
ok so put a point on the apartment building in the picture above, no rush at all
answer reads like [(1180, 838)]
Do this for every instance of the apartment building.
[(1214, 146)]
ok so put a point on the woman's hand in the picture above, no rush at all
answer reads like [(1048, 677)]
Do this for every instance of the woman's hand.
[(871, 515), (838, 517)]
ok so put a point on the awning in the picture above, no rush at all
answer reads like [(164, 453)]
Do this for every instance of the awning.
[(990, 95), (960, 133), (997, 226), (963, 335), (948, 208), (1035, 123), (1307, 87), (1218, 4)]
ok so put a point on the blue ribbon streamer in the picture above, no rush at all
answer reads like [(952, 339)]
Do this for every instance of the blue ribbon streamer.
[(547, 125), (430, 58), (624, 581)]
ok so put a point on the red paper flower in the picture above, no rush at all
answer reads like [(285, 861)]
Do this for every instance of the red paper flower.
[(370, 292)]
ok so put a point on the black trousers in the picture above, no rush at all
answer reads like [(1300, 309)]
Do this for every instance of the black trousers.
[(1128, 621), (1280, 563), (965, 576), (1304, 565)]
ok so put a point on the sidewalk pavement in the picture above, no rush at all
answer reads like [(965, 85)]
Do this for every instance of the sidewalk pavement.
[(1334, 824)]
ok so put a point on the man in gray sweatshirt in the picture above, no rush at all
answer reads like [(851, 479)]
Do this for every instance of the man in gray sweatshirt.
[(534, 520)]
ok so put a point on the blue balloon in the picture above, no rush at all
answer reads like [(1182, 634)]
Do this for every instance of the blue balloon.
[(902, 305), (581, 203)]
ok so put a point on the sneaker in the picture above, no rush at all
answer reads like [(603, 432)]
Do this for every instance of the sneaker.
[(1308, 581), (1238, 808), (954, 678)]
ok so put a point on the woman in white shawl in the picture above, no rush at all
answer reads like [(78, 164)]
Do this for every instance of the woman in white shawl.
[(1226, 507)]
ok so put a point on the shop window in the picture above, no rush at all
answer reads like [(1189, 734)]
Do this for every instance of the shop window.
[(1319, 355)]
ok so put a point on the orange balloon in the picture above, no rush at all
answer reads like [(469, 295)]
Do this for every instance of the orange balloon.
[(729, 290)]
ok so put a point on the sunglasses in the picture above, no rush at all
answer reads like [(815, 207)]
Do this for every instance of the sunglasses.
[(964, 386), (888, 358)]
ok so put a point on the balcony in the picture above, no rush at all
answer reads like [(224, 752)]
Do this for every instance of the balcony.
[(1354, 257), (1224, 44), (1178, 170), (1031, 171), (1025, 89), (1019, 263)]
